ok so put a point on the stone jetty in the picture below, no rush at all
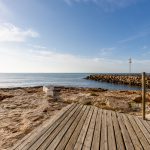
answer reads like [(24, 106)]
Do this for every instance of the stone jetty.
[(127, 79)]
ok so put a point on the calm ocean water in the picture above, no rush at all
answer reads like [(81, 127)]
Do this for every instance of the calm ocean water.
[(62, 79)]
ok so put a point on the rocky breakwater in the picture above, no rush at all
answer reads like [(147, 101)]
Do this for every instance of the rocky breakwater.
[(133, 79)]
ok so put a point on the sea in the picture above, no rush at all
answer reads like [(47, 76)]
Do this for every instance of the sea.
[(10, 80)]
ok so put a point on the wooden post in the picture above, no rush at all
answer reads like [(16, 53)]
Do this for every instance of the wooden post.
[(143, 95)]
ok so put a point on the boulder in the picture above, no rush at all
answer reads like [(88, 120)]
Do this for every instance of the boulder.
[(117, 104), (137, 98), (85, 100)]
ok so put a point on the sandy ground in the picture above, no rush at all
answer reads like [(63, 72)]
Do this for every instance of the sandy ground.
[(23, 109)]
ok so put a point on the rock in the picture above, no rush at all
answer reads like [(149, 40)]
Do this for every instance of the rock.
[(117, 104), (137, 98), (85, 101), (129, 79)]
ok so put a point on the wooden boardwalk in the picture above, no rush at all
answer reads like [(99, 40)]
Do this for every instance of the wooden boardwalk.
[(89, 128)]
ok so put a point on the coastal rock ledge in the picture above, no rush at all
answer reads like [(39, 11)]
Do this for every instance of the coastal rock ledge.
[(127, 79)]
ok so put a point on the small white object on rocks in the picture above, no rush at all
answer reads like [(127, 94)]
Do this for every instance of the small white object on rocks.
[(49, 90)]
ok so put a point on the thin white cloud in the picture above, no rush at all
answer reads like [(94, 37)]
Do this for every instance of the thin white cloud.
[(68, 2), (27, 60), (144, 47), (134, 37), (73, 63), (107, 5), (37, 46), (106, 51), (12, 33), (145, 61), (23, 59), (4, 11), (146, 54), (142, 65)]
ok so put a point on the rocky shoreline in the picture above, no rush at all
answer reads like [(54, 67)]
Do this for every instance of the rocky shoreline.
[(133, 79)]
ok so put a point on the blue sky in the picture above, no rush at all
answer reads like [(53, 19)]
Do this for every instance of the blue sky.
[(74, 35)]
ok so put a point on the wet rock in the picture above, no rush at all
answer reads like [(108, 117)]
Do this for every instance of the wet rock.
[(133, 79)]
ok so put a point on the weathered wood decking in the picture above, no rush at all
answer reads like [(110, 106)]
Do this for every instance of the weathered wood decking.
[(87, 127)]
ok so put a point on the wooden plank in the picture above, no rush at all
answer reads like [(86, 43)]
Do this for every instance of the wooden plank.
[(133, 136), (104, 139), (72, 141), (51, 137), (143, 129), (97, 131), (139, 134), (41, 137), (126, 136), (64, 135), (111, 137), (89, 136), (148, 121), (118, 134), (82, 135), (43, 128), (146, 124), (87, 127)]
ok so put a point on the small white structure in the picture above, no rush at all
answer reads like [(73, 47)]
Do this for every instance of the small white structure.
[(49, 90)]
